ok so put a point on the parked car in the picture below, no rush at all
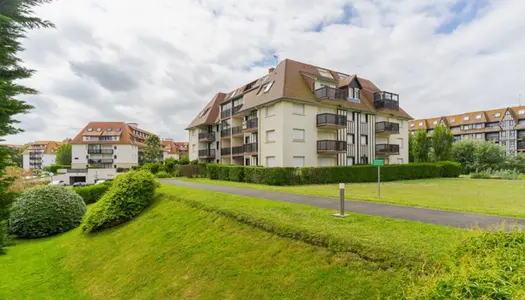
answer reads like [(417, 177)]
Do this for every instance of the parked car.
[(100, 181), (58, 182), (79, 184)]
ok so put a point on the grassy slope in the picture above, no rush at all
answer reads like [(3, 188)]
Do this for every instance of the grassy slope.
[(178, 252), (497, 197)]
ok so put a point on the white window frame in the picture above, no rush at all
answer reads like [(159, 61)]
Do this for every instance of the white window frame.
[(361, 139), (266, 87), (325, 73), (329, 159), (272, 134), (412, 124), (521, 112), (298, 161), (420, 123), (478, 117), (270, 110), (497, 115), (361, 118), (268, 159), (466, 118), (301, 132), (298, 109)]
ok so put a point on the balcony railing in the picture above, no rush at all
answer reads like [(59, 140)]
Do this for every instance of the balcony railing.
[(100, 161), (331, 146), (76, 170), (236, 130), (207, 136), (331, 93), (100, 151), (521, 145), (226, 151), (206, 153), (386, 100), (226, 132), (251, 148), (238, 150), (388, 149), (331, 120), (226, 113), (387, 127), (250, 124), (236, 109)]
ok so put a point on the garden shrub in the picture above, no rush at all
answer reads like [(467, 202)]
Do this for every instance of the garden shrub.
[(190, 170), (92, 193), (55, 167), (496, 174), (162, 174), (449, 168), (223, 172), (45, 210), (236, 173), (128, 196), (153, 167)]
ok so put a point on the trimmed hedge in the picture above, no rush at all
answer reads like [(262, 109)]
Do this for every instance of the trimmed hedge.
[(321, 175), (92, 193), (54, 168)]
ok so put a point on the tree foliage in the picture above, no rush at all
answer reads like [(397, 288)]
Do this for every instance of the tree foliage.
[(477, 155), (63, 155), (442, 140), (16, 17), (410, 147), (153, 151), (421, 146)]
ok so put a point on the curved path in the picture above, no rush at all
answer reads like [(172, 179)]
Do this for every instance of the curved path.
[(425, 215)]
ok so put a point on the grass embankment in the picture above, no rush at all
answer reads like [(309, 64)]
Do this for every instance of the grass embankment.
[(495, 197), (173, 250)]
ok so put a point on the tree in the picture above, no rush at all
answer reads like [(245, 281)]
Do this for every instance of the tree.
[(488, 155), (442, 140), (63, 155), (16, 17), (410, 147), (153, 151), (463, 153), (421, 146)]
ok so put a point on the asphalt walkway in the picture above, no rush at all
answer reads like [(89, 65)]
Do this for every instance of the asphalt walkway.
[(425, 215)]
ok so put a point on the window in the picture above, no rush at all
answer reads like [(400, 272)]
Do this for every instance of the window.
[(400, 143), (478, 117), (298, 135), (341, 75), (298, 109), (420, 123), (325, 73), (194, 148), (478, 125), (399, 161), (264, 79), (521, 112), (266, 87), (114, 156), (109, 129), (364, 140), (270, 161), (479, 135), (466, 127), (204, 111), (435, 122), (350, 139), (298, 161), (412, 124), (325, 162), (270, 136), (466, 118), (270, 110), (90, 129), (452, 120), (364, 160), (364, 118), (233, 93), (99, 129), (497, 115), (349, 161), (354, 94)]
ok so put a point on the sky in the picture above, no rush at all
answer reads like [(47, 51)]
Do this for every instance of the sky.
[(157, 63)]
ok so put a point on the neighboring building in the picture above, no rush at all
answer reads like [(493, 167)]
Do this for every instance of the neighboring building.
[(40, 154), (171, 149), (301, 115), (182, 147), (504, 126)]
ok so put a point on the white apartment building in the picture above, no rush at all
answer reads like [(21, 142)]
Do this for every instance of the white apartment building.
[(301, 115), (40, 155)]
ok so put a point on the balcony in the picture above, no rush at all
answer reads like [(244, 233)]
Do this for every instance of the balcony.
[(331, 121), (206, 136), (521, 145), (225, 114), (331, 93), (386, 100), (225, 133), (250, 125), (100, 161), (251, 148), (77, 171), (331, 146), (387, 128), (387, 149), (226, 151), (238, 151), (491, 137), (100, 151), (207, 153), (236, 109), (237, 131)]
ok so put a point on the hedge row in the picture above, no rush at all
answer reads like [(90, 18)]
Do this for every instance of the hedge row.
[(92, 193), (55, 167), (320, 175)]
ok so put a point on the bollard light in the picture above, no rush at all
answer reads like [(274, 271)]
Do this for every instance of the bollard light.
[(341, 213)]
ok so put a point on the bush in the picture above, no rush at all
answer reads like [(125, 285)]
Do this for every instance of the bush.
[(128, 196), (153, 167), (92, 193), (449, 168), (54, 168), (497, 174), (477, 155), (236, 173), (46, 210), (162, 174), (4, 235)]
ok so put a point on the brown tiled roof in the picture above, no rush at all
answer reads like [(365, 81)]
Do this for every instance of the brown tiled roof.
[(210, 113), (126, 133), (50, 147)]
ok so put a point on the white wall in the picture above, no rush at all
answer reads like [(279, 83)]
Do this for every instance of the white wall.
[(25, 162), (127, 155), (193, 147), (48, 159), (307, 122), (271, 122), (78, 156)]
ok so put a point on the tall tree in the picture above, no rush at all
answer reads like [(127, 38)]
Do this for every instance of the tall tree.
[(442, 140), (421, 146), (16, 17), (410, 147), (153, 151), (63, 155)]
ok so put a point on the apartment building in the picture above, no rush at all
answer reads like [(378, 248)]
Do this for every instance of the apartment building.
[(40, 154), (504, 126), (301, 115), (172, 149)]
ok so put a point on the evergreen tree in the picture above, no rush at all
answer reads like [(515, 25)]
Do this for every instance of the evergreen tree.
[(442, 140), (153, 151), (63, 155), (16, 17), (421, 146)]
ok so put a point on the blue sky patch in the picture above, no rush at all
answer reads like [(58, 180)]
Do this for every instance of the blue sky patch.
[(464, 12)]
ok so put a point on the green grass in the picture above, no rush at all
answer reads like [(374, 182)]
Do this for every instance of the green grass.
[(495, 197), (189, 245)]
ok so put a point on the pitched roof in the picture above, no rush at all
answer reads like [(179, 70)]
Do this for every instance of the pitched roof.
[(210, 113), (128, 133), (50, 147)]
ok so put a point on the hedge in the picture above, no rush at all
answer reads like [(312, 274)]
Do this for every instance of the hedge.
[(54, 168), (92, 193), (320, 175)]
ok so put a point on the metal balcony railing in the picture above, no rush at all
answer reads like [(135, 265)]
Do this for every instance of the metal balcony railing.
[(250, 124), (207, 153), (331, 93), (387, 127), (331, 146), (387, 149), (331, 120), (207, 136)]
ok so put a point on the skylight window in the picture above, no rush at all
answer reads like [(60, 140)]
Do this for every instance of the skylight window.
[(466, 118), (452, 120), (233, 93), (99, 129), (497, 115), (117, 129), (341, 75), (264, 79), (90, 129), (109, 129), (521, 112), (325, 73), (435, 122), (420, 123), (478, 117), (266, 87)]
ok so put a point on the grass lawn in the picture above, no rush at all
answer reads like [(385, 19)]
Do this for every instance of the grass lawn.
[(486, 196), (190, 245)]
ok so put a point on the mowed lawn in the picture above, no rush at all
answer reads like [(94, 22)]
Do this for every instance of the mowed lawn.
[(190, 245), (495, 197)]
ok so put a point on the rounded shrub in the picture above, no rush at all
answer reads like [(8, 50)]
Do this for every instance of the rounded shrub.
[(162, 174), (45, 210)]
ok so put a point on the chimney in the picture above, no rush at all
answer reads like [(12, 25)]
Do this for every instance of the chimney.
[(270, 70), (134, 125)]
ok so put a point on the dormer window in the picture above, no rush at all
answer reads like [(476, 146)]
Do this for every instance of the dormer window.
[(264, 79), (478, 117), (266, 87), (90, 129), (204, 111), (521, 112), (117, 129), (99, 129), (109, 129), (325, 73), (466, 118), (233, 93), (354, 94), (452, 120), (342, 76), (420, 123), (435, 122), (497, 115)]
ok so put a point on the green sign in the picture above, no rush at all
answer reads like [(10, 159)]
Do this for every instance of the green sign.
[(378, 162)]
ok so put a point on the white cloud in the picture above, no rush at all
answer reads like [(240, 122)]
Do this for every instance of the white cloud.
[(158, 63)]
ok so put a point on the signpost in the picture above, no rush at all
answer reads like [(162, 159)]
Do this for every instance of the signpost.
[(378, 163)]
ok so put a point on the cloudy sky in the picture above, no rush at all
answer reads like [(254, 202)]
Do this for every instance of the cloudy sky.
[(158, 62)]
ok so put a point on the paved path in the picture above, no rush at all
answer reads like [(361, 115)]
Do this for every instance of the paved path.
[(426, 215)]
